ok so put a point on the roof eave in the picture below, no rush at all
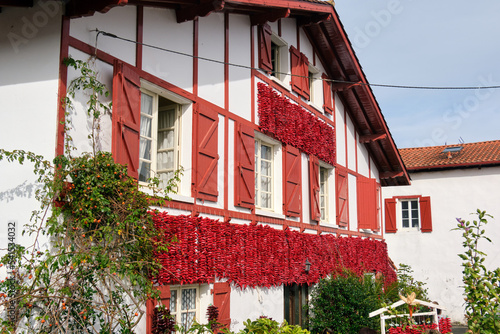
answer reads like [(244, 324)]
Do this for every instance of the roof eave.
[(454, 166)]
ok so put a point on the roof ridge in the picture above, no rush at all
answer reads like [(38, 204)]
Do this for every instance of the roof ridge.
[(451, 145)]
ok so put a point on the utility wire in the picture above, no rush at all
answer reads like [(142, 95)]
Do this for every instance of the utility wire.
[(107, 34)]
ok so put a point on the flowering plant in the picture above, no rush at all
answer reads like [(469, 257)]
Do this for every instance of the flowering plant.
[(482, 292)]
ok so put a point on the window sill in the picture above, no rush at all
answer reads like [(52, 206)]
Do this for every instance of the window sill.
[(281, 83), (260, 212), (180, 198), (315, 106), (328, 224), (174, 197)]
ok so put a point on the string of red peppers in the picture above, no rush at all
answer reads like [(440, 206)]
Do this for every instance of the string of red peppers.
[(293, 125), (249, 256)]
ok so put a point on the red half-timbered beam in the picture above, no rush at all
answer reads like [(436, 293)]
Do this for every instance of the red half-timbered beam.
[(62, 86)]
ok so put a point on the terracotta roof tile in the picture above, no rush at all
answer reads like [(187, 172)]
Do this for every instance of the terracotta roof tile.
[(472, 154)]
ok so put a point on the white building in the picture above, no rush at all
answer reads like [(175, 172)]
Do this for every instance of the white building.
[(455, 180), (230, 77)]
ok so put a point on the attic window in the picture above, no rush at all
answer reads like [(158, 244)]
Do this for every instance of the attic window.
[(453, 149)]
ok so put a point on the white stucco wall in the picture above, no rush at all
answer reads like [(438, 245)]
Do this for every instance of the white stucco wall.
[(29, 65), (211, 46), (81, 122), (340, 132), (433, 256), (252, 303), (240, 88), (363, 160), (351, 144), (162, 30)]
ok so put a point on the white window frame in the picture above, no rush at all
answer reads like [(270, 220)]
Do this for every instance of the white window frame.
[(400, 214), (282, 59), (258, 160), (330, 218), (154, 132), (277, 179), (178, 291), (324, 190), (315, 88)]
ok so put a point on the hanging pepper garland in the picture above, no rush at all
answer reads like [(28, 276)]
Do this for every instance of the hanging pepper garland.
[(248, 256), (293, 125)]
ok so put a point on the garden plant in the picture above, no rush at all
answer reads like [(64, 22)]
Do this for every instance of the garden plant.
[(482, 291)]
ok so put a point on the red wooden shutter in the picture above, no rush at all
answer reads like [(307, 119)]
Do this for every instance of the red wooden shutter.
[(296, 70), (222, 300), (367, 203), (293, 200), (244, 176), (207, 153), (379, 194), (126, 117), (151, 304), (390, 215), (265, 57), (314, 188), (304, 64), (425, 214), (327, 95), (342, 198)]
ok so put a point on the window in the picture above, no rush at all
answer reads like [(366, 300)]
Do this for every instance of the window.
[(272, 57), (319, 177), (342, 193), (323, 193), (184, 305), (279, 56), (410, 214), (275, 56), (296, 297), (263, 175), (315, 86), (159, 138)]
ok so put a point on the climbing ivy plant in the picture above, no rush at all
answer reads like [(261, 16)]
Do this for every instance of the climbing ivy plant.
[(96, 273)]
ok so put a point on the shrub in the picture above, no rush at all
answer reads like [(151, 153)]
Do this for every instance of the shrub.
[(265, 325), (342, 304)]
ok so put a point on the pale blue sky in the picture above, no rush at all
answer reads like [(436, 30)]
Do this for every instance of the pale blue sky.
[(430, 43)]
